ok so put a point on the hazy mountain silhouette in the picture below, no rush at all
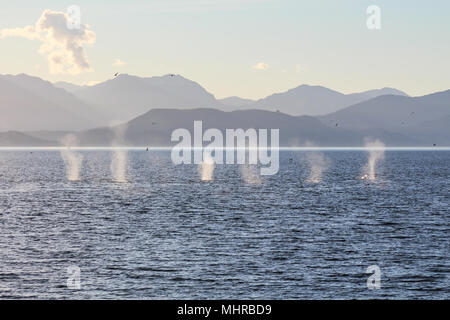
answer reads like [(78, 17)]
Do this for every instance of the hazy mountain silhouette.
[(126, 96), (69, 87), (18, 139), (425, 118), (48, 135), (154, 128), (366, 95), (46, 112), (236, 102), (46, 104), (432, 131), (316, 100), (22, 109), (392, 112)]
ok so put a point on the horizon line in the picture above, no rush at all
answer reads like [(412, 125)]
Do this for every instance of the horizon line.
[(144, 148)]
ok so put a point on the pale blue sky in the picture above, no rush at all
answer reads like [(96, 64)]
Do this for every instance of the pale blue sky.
[(216, 43)]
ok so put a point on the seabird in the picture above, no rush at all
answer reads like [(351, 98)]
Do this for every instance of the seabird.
[(116, 74)]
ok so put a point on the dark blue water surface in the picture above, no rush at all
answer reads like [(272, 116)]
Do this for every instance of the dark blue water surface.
[(166, 234)]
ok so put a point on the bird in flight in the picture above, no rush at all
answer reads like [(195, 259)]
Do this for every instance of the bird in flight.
[(116, 74)]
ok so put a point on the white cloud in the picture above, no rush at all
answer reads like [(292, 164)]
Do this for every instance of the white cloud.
[(63, 47), (261, 66), (118, 63)]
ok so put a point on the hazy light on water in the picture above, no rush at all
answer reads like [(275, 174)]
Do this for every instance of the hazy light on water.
[(119, 165), (73, 160), (120, 155), (207, 167), (317, 164), (250, 174), (376, 150)]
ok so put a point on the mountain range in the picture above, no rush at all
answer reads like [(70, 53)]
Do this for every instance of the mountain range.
[(152, 107), (423, 118), (125, 97), (316, 100), (154, 129)]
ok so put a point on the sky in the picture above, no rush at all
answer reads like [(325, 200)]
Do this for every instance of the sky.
[(246, 48)]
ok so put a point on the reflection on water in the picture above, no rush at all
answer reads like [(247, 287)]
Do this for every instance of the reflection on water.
[(118, 165), (206, 168)]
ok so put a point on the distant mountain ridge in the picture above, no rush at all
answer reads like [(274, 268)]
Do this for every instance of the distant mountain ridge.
[(155, 127), (316, 100), (19, 139), (69, 87), (390, 111), (418, 117), (22, 109), (126, 96), (40, 109), (236, 102), (30, 103)]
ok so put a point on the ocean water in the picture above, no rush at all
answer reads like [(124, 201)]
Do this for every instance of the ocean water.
[(159, 232)]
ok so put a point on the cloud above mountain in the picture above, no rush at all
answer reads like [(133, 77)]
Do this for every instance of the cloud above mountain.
[(261, 66), (64, 47), (118, 63)]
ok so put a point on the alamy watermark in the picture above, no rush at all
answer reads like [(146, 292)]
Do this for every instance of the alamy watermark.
[(373, 21), (74, 17), (374, 280), (239, 146), (74, 277)]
